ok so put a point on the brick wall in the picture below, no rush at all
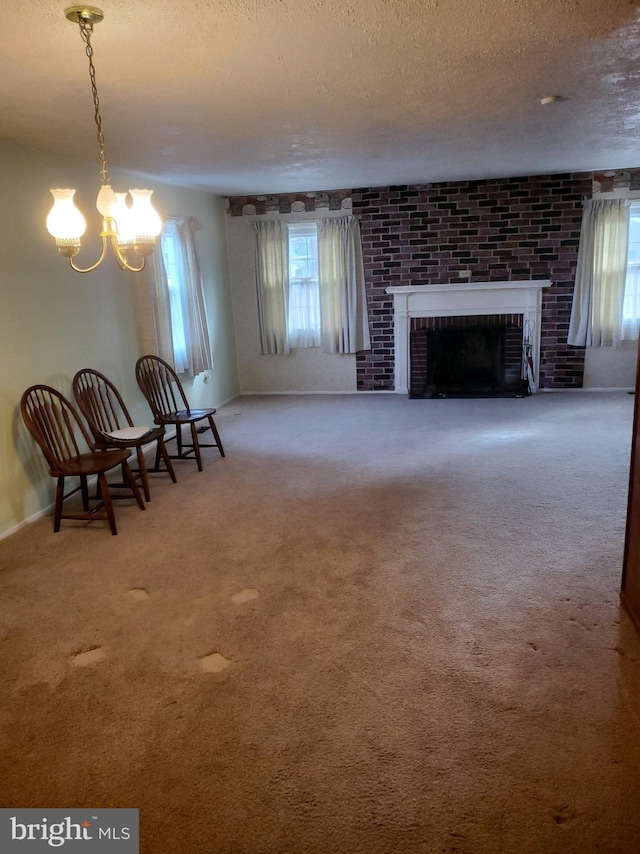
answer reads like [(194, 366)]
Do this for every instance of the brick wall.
[(514, 228)]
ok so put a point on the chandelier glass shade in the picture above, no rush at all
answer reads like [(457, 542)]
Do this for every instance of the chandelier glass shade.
[(130, 224)]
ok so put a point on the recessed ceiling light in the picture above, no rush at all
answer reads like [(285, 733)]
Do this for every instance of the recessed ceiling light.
[(550, 99)]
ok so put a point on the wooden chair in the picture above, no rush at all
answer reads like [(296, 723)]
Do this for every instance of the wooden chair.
[(112, 426), (160, 385), (61, 435)]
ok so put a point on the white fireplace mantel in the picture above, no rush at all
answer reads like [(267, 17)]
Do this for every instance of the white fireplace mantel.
[(464, 299)]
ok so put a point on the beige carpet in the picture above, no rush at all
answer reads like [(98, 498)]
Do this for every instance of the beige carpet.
[(379, 625)]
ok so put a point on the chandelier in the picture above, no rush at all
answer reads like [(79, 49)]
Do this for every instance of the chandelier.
[(130, 224)]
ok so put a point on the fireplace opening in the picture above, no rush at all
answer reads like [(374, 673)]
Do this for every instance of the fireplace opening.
[(466, 357)]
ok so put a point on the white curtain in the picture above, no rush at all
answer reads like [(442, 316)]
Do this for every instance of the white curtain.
[(272, 270), (345, 326), (304, 313), (597, 310), (631, 304), (152, 308), (197, 357)]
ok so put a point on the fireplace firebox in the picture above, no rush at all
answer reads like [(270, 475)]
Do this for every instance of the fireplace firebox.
[(466, 357)]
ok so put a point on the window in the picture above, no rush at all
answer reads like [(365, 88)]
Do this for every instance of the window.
[(170, 305), (631, 301), (186, 311), (601, 273), (303, 314), (171, 255), (310, 285)]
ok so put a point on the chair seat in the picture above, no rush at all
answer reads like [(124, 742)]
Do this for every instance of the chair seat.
[(91, 463), (184, 416), (129, 434)]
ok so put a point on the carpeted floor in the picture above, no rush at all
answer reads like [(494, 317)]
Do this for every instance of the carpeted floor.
[(379, 625)]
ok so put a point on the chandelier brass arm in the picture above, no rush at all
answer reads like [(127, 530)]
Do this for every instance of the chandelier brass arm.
[(109, 237)]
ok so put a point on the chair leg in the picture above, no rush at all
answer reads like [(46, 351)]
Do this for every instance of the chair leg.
[(162, 450), (57, 513), (196, 445), (130, 479), (84, 489), (106, 500), (216, 435), (179, 438), (142, 468)]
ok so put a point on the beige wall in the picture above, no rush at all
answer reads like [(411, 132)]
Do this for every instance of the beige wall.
[(611, 367), (54, 321), (305, 370)]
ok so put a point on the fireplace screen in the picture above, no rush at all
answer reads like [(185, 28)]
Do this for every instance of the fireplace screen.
[(466, 357)]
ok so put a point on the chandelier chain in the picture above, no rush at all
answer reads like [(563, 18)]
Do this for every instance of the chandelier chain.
[(86, 30)]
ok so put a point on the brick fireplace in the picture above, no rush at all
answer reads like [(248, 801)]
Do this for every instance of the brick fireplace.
[(521, 229)]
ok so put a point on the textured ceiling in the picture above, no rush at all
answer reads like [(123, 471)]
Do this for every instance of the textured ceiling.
[(269, 96)]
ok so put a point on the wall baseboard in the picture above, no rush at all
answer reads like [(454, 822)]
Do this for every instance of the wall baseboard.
[(581, 390), (28, 521), (298, 393), (228, 400)]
